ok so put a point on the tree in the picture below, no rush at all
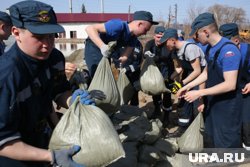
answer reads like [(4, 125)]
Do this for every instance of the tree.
[(193, 12), (226, 14), (83, 9)]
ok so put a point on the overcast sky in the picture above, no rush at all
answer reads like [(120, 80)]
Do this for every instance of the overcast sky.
[(159, 8)]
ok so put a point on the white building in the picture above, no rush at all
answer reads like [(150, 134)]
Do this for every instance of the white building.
[(75, 23)]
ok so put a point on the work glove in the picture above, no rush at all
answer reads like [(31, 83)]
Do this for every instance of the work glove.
[(149, 54), (63, 158), (153, 56), (123, 71), (175, 86), (97, 94), (106, 50), (85, 97), (80, 77)]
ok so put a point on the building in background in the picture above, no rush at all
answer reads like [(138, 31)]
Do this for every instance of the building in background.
[(75, 23)]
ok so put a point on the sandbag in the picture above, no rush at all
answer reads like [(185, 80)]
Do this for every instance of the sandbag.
[(149, 154), (153, 134), (151, 79), (130, 160), (104, 80), (125, 88), (192, 139), (179, 160), (89, 127)]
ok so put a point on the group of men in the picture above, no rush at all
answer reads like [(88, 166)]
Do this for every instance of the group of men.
[(33, 75)]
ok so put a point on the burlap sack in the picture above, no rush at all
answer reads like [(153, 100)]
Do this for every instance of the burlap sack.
[(192, 139), (89, 127), (125, 88), (151, 79), (104, 80)]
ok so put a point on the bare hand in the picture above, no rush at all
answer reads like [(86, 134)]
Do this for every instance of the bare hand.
[(246, 89), (123, 59), (181, 92), (192, 96), (201, 107), (69, 69)]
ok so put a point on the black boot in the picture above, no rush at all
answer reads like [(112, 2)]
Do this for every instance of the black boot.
[(156, 113), (166, 111), (177, 133), (165, 120)]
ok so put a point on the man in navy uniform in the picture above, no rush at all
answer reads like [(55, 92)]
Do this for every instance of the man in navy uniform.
[(223, 112), (231, 31), (32, 76), (125, 34), (163, 60), (190, 60)]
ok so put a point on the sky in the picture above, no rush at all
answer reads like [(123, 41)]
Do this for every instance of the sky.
[(159, 8)]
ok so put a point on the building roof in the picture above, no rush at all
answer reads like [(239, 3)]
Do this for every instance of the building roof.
[(91, 17)]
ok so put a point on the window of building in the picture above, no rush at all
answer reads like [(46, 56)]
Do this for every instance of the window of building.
[(72, 34), (73, 46), (62, 46), (62, 35)]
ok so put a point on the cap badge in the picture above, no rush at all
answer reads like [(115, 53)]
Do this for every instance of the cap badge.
[(43, 16)]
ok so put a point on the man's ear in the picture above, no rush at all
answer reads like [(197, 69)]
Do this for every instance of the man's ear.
[(15, 32), (236, 41), (1, 26)]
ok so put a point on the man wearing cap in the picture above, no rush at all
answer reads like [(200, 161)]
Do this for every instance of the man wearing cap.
[(5, 29), (99, 35), (231, 31), (190, 60), (163, 60), (223, 113), (32, 75)]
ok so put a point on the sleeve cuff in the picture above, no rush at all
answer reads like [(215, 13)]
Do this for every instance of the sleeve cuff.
[(6, 140)]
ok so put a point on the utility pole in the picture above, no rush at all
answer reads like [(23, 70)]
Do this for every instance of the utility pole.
[(102, 6), (175, 15), (129, 8), (169, 17), (70, 6)]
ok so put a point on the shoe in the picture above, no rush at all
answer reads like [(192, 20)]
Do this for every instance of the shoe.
[(177, 133)]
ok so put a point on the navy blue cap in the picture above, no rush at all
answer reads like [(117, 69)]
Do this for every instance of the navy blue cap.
[(5, 17), (144, 15), (200, 21), (37, 17), (229, 30), (159, 29), (169, 33)]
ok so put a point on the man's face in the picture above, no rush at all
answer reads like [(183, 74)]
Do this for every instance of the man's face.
[(143, 28), (200, 36), (6, 31), (157, 38), (35, 45), (170, 43)]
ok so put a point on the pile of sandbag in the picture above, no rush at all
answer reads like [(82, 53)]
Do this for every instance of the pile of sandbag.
[(143, 143)]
